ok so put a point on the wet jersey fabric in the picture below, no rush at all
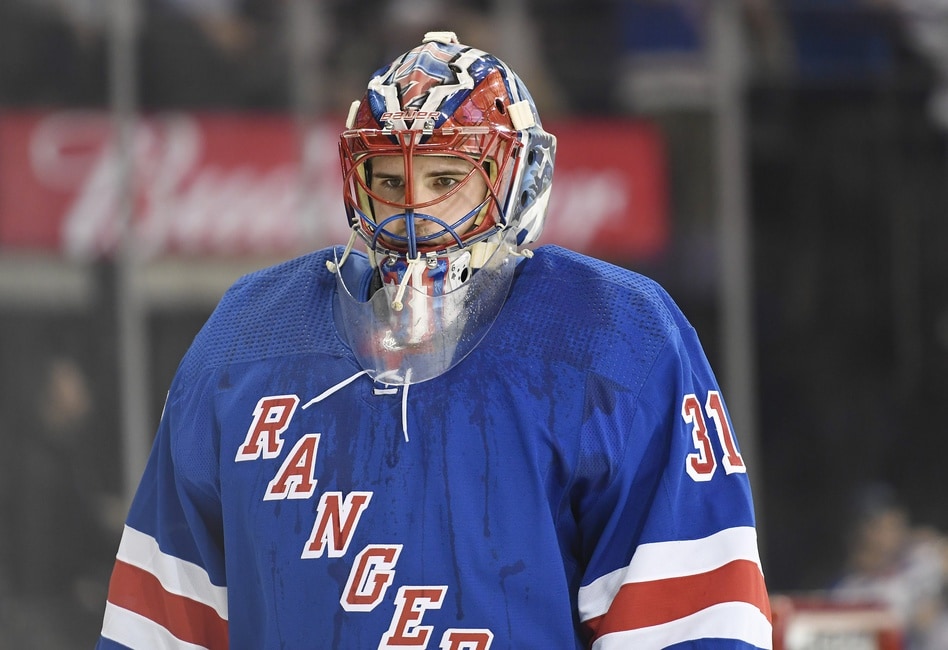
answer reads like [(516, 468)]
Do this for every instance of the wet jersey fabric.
[(573, 483)]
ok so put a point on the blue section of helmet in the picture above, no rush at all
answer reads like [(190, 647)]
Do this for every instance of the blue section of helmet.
[(483, 66), (376, 104)]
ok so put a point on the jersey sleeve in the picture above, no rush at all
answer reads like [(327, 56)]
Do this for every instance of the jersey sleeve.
[(167, 588), (670, 541)]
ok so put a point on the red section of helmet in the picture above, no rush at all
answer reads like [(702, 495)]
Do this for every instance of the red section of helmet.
[(364, 118), (482, 108), (486, 105)]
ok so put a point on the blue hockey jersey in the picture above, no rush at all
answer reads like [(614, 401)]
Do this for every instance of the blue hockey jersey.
[(573, 483)]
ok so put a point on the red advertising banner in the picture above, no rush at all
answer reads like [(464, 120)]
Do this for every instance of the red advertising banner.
[(230, 184)]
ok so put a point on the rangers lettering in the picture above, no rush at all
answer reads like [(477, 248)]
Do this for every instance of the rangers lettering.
[(296, 478), (372, 573), (411, 603), (335, 523), (271, 417)]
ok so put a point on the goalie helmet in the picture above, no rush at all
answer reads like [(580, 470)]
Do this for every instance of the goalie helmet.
[(444, 98), (445, 125)]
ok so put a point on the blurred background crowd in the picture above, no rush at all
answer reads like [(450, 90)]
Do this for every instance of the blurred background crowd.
[(839, 121)]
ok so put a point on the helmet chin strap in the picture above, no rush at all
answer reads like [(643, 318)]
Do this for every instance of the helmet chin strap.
[(448, 271), (426, 309), (415, 266)]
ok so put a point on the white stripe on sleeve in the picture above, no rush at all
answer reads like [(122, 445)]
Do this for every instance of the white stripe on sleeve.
[(661, 560), (177, 576), (130, 629)]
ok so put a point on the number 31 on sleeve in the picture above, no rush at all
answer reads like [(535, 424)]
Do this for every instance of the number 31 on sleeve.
[(702, 463)]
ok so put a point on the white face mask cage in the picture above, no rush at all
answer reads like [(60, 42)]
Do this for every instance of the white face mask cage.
[(417, 337)]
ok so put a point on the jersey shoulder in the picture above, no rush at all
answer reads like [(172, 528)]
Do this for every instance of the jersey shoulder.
[(587, 280), (595, 319), (595, 309), (279, 310)]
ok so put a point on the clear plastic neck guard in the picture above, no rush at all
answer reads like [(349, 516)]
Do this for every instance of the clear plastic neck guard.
[(404, 334)]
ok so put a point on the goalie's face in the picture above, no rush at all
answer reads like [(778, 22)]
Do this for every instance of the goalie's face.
[(428, 201)]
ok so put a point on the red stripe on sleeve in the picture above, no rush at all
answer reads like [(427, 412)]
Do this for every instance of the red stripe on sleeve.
[(139, 591), (643, 604)]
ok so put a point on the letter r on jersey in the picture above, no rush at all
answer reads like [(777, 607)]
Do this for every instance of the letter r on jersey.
[(271, 417)]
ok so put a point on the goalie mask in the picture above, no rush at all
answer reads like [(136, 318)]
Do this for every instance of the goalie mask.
[(446, 172)]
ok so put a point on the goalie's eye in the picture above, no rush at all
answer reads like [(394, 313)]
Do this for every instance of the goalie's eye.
[(432, 177), (391, 188)]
